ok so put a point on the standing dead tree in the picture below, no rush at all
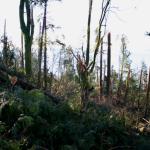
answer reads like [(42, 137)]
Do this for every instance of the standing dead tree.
[(45, 47), (21, 52), (147, 100), (139, 96), (41, 42), (127, 85), (108, 65), (139, 90), (84, 65), (5, 46), (124, 64), (101, 70)]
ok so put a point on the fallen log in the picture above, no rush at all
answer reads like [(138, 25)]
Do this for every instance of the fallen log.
[(23, 82)]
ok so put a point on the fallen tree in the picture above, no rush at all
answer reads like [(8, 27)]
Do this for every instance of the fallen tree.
[(23, 82)]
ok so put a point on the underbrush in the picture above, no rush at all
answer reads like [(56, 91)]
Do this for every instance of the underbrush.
[(30, 120)]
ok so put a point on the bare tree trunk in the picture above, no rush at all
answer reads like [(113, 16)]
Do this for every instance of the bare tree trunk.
[(120, 83), (40, 49), (101, 70), (97, 75), (104, 78), (27, 28), (51, 82), (39, 57), (108, 65), (45, 51), (83, 66), (5, 47), (120, 79), (127, 86), (138, 105), (89, 33), (139, 96), (147, 97), (22, 54)]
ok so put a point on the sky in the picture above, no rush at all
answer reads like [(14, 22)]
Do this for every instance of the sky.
[(129, 17)]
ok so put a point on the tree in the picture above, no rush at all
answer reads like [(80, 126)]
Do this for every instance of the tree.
[(139, 89), (45, 46), (147, 100), (144, 76), (22, 53), (68, 63), (124, 62), (5, 47), (41, 35), (27, 28), (108, 65), (42, 43), (139, 95), (8, 54), (127, 85), (101, 69), (84, 65)]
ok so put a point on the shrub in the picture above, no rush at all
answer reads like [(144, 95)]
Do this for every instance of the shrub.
[(10, 111)]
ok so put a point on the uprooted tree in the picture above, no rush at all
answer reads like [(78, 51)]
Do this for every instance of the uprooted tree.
[(84, 65)]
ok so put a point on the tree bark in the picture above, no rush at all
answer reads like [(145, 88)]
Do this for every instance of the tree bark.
[(84, 67), (22, 53), (108, 65), (147, 101), (5, 47), (41, 48), (28, 31), (127, 86), (139, 94), (45, 50), (101, 70), (89, 33)]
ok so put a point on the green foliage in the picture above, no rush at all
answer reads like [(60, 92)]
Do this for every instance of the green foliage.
[(31, 101), (21, 125), (3, 127), (10, 111), (34, 122), (9, 145), (66, 88), (75, 104)]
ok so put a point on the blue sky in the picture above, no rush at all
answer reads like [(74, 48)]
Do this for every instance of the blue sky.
[(129, 17)]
